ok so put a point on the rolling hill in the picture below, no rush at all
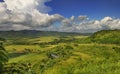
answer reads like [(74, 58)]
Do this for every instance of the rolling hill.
[(107, 37), (64, 53)]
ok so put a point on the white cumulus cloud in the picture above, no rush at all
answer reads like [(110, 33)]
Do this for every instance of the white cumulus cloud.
[(33, 14), (89, 26), (26, 14)]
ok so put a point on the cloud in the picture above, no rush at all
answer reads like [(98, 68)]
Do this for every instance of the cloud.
[(107, 23), (85, 25), (82, 17), (89, 26), (33, 14), (72, 18), (106, 19), (26, 14), (67, 22), (27, 5)]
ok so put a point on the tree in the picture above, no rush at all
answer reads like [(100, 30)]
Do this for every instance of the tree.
[(3, 57)]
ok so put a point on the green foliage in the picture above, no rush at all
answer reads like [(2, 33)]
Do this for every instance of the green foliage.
[(17, 68), (97, 54), (117, 49), (2, 39), (60, 52), (107, 37), (3, 58)]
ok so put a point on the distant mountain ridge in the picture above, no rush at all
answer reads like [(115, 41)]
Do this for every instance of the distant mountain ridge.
[(35, 33)]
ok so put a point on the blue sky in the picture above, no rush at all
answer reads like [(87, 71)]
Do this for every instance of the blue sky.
[(93, 8)]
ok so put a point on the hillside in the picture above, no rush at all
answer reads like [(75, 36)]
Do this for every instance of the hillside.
[(107, 37), (36, 33), (63, 54)]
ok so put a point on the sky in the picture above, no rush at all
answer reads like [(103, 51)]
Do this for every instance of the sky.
[(86, 16), (93, 8)]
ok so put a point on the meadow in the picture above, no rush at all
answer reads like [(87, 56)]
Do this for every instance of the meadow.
[(64, 54)]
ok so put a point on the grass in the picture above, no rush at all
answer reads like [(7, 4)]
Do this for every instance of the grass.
[(79, 56), (43, 39), (92, 59), (20, 48)]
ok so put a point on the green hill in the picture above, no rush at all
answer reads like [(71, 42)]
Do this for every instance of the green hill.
[(107, 37), (64, 53)]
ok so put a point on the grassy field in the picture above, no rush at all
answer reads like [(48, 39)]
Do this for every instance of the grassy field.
[(64, 55)]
